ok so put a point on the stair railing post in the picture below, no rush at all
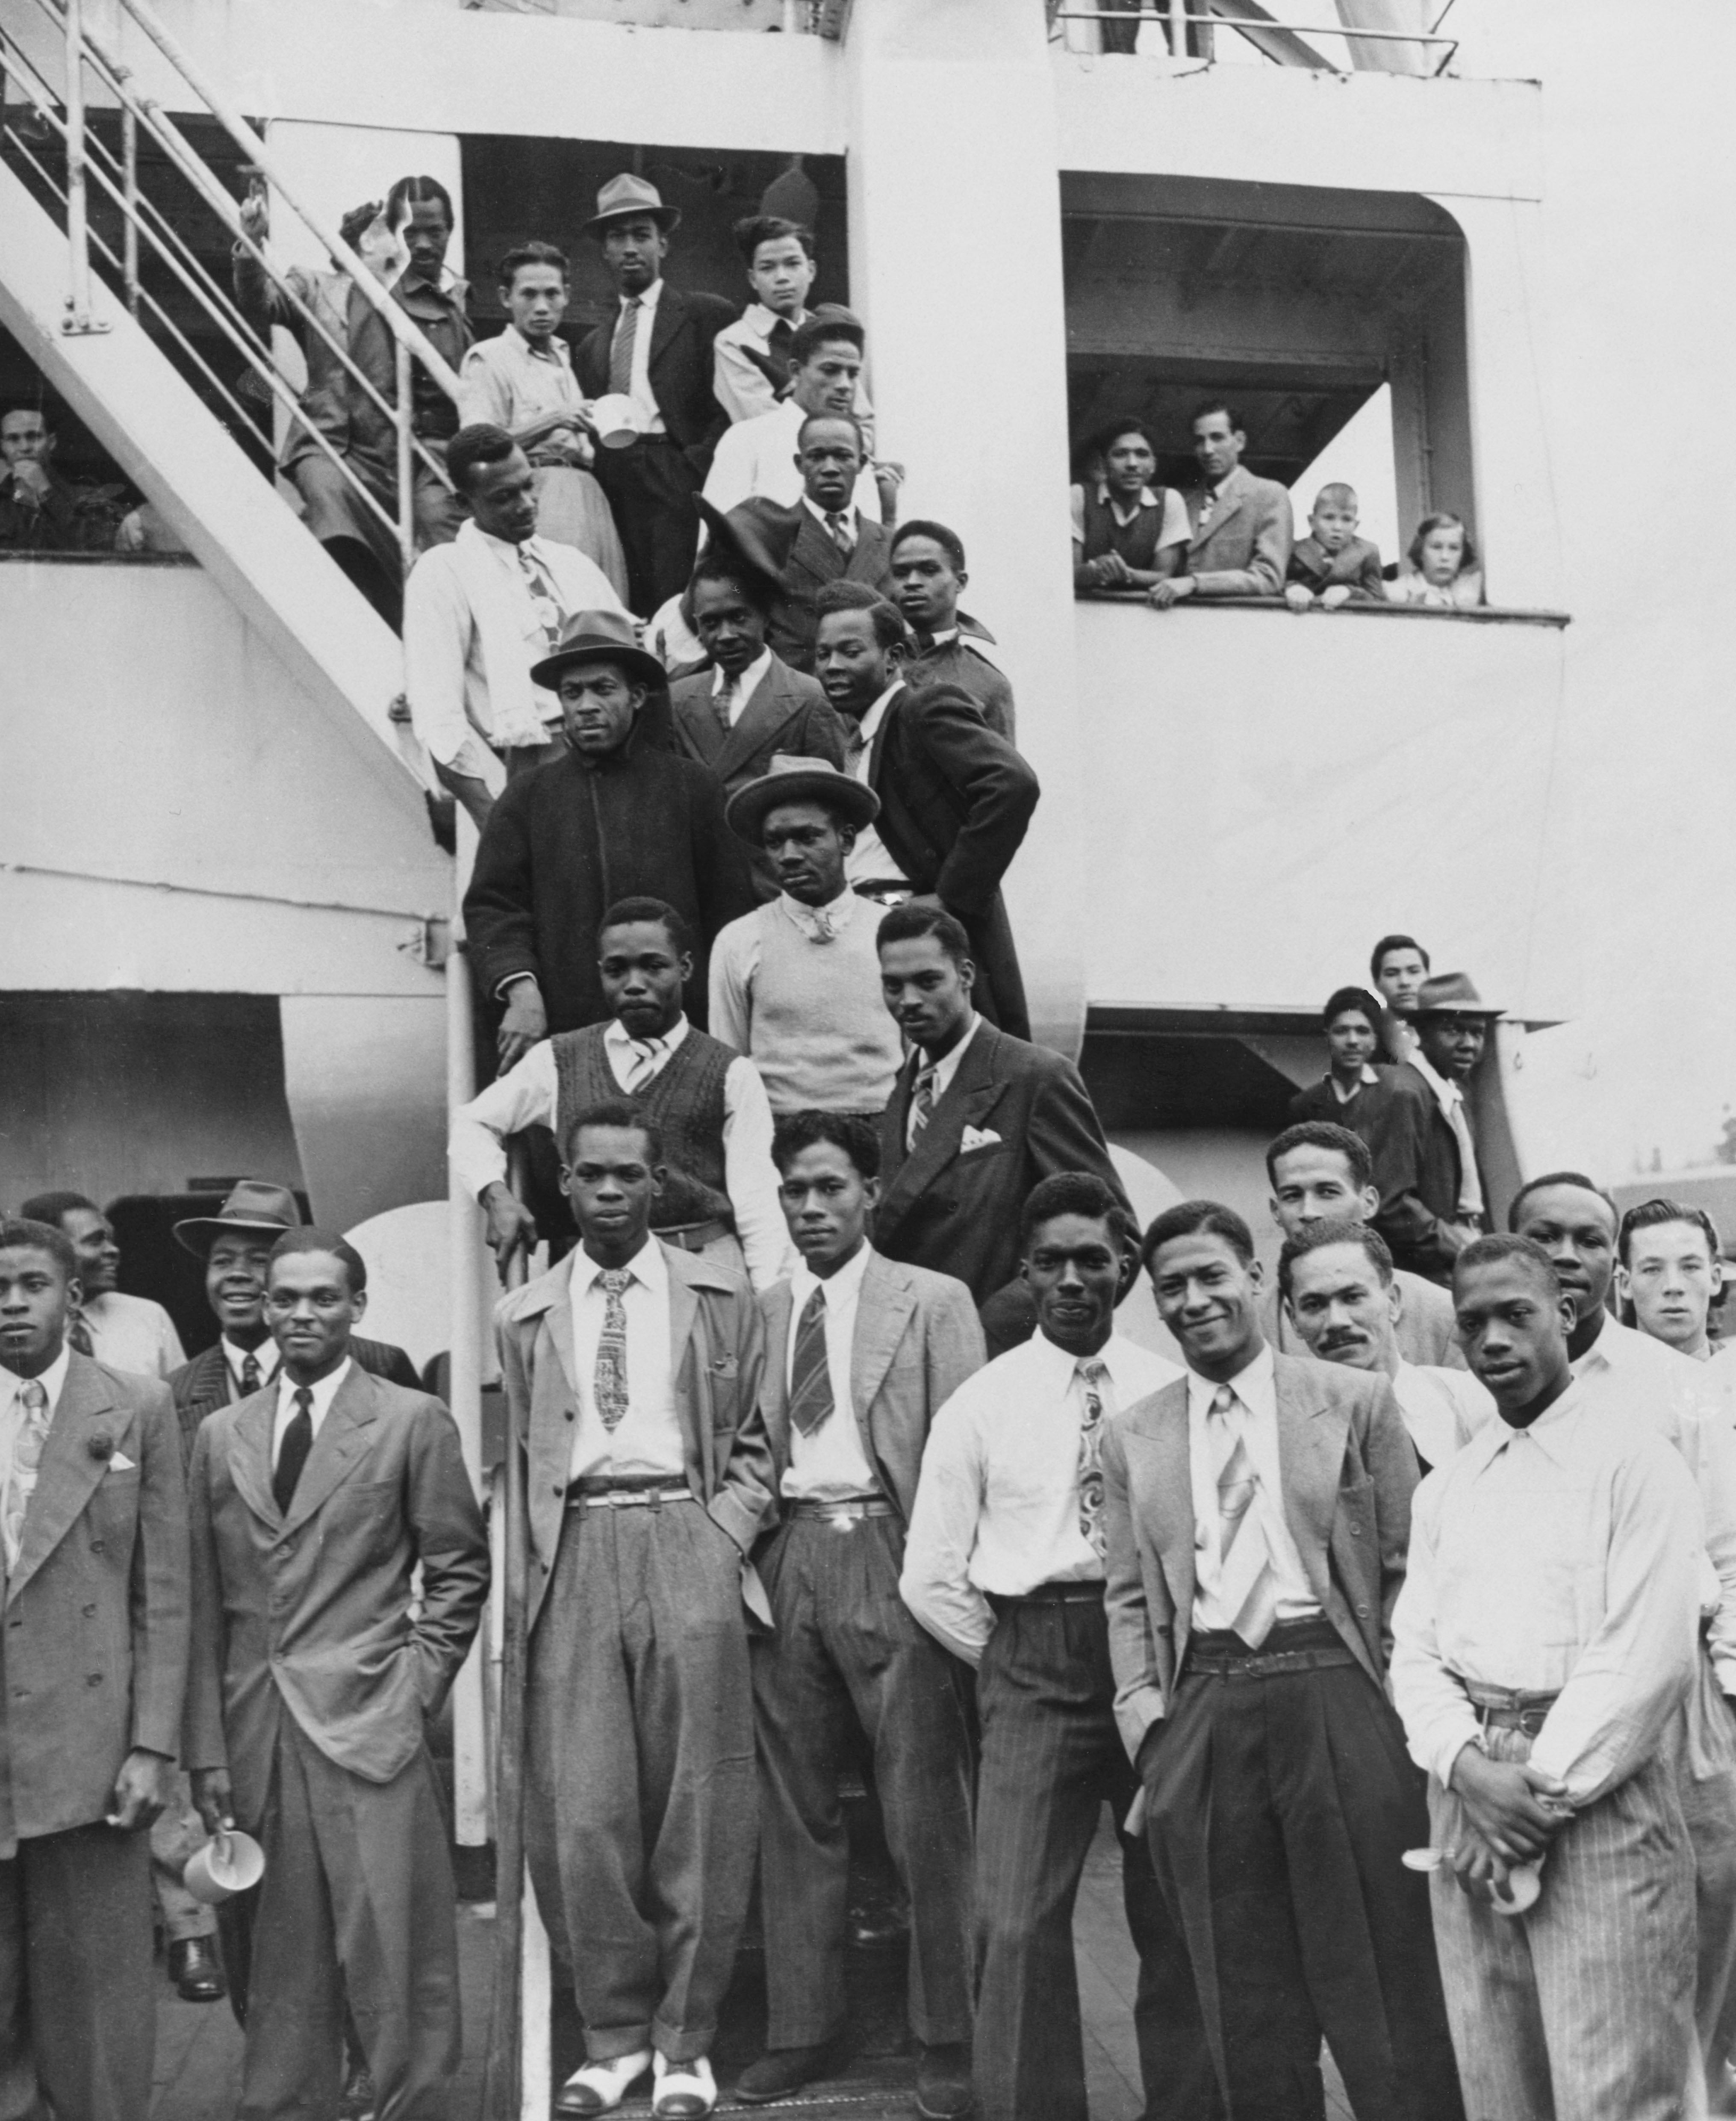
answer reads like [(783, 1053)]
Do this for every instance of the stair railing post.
[(129, 217), (78, 322), (403, 413)]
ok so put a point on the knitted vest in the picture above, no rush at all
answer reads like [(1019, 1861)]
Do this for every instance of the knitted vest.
[(684, 1101), (821, 1037), (1136, 542)]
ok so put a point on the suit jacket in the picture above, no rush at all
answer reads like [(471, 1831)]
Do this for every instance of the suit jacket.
[(956, 801), (788, 713), (680, 368), (955, 1209), (1356, 568), (1385, 1114), (1348, 1470), (1421, 1190), (1245, 551), (93, 1657), (310, 1612), (204, 1385), (916, 1340), (717, 1358), (808, 560)]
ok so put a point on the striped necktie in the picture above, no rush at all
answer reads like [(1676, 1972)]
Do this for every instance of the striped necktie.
[(1090, 1376), (838, 528), (922, 1104), (545, 601), (27, 1448), (78, 1335), (723, 702), (1247, 1584), (642, 1064), (610, 1377), (620, 348), (810, 1402)]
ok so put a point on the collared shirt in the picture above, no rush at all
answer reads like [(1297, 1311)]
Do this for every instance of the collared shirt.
[(647, 1440), (54, 1382), (132, 1333), (267, 1355), (869, 861), (831, 1465), (1442, 1409), (745, 686), (1172, 530), (757, 460), (998, 1504), (321, 1396), (646, 407), (511, 381), (741, 386), (946, 1067), (1255, 1386), (527, 1096), (1451, 1099), (1557, 1560), (1368, 1080)]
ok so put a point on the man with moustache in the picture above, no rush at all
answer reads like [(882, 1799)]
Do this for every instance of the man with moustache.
[(1004, 1567), (861, 1352), (1257, 1512), (1545, 1646), (1342, 1296), (326, 1509)]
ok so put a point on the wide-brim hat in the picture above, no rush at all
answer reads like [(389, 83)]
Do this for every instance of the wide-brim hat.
[(627, 195), (253, 1205), (1451, 994), (790, 779), (598, 636), (741, 539)]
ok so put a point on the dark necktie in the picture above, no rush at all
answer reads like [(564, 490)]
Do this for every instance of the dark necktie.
[(922, 1104), (810, 1379), (778, 343), (249, 1374), (298, 1440), (621, 349)]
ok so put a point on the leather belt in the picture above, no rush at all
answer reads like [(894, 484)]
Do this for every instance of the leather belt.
[(627, 1495), (1051, 1594), (885, 891), (1312, 1645), (694, 1237), (1509, 1708), (843, 1513)]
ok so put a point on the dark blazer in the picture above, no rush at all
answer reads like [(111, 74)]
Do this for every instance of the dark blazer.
[(916, 1340), (1348, 1472), (954, 1208), (809, 561), (1423, 1173), (1357, 568), (93, 1657), (204, 1385), (310, 1612), (789, 713), (955, 803), (1384, 1114), (1244, 551), (680, 367)]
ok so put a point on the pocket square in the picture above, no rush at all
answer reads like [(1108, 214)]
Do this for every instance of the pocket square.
[(976, 1138), (121, 1463)]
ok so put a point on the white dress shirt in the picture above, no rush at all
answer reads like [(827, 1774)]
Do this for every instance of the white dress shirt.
[(757, 460), (1557, 1560), (1256, 1388), (945, 1069), (321, 1396), (1442, 1409), (831, 1465), (646, 408), (52, 1381), (1451, 1099), (998, 1502), (869, 861), (745, 686), (132, 1333), (741, 386), (647, 1440), (267, 1355), (527, 1096)]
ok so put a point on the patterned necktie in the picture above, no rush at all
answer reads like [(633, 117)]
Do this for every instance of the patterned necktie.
[(838, 526), (610, 1377), (1247, 1586), (78, 1335), (642, 1064), (621, 349), (810, 1377), (249, 1374), (298, 1440), (544, 602), (922, 1102), (1091, 1375), (33, 1433), (1470, 1189), (722, 704)]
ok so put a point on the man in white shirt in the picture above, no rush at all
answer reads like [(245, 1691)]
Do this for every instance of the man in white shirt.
[(632, 1375), (126, 1332), (796, 985), (860, 1355), (758, 458), (719, 1195), (1342, 1296), (1004, 1567), (1544, 1647), (479, 612), (1257, 1514), (751, 374)]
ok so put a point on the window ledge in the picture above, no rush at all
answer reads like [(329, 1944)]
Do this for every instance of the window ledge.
[(1483, 615)]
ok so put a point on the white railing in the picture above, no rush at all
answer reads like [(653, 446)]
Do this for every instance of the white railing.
[(1184, 21)]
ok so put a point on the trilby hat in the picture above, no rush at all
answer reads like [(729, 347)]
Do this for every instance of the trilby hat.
[(598, 636), (1451, 994), (627, 194), (254, 1204)]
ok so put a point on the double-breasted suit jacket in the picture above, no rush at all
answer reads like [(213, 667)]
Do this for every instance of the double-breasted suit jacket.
[(93, 1655), (206, 1383), (916, 1340), (808, 560), (717, 1358), (1012, 1113), (1348, 1472), (309, 1612)]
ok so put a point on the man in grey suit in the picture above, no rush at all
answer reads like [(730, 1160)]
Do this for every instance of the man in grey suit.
[(1241, 527), (313, 1503), (1257, 1512), (93, 1661), (861, 1354)]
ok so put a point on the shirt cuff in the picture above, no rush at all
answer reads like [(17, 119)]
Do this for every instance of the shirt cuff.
[(1447, 1749)]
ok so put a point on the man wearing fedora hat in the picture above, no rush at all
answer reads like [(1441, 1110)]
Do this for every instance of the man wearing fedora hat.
[(657, 350), (795, 984), (1437, 1201), (614, 818)]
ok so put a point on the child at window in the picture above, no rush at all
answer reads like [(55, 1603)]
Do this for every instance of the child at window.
[(1445, 573), (1332, 562)]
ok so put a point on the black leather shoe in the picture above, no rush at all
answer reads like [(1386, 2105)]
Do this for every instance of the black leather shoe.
[(780, 2070), (943, 2081), (194, 1968)]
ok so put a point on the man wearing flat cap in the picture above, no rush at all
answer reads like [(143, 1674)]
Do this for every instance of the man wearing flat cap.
[(614, 818), (795, 984), (1438, 1202), (656, 350)]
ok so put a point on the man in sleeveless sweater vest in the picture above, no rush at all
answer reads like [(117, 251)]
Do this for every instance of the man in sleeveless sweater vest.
[(795, 984), (719, 1195)]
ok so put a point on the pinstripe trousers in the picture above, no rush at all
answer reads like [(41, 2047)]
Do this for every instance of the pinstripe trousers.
[(1582, 2010)]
